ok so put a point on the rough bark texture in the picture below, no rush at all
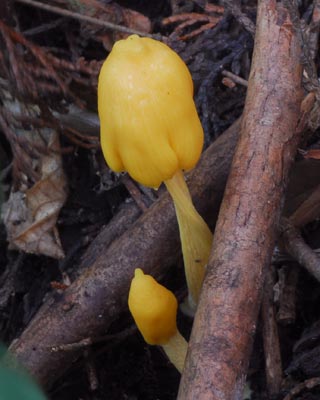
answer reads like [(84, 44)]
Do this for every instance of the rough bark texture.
[(225, 322), (98, 296)]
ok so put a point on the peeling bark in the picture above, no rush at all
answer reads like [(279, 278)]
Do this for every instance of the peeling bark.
[(225, 322)]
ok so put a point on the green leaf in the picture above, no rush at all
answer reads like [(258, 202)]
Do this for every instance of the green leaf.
[(16, 384)]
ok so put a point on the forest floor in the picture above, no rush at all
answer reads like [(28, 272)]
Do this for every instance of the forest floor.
[(50, 155)]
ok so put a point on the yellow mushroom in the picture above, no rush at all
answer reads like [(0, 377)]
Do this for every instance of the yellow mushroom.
[(154, 309), (150, 128)]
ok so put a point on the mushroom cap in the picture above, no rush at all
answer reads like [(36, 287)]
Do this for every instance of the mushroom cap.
[(153, 307), (149, 123)]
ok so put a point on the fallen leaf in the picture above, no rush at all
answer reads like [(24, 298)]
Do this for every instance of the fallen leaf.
[(30, 217)]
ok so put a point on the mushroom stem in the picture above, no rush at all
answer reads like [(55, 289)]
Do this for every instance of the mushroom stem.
[(196, 237), (176, 350)]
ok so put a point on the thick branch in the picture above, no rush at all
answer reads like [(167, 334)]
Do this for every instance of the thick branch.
[(100, 294), (227, 313)]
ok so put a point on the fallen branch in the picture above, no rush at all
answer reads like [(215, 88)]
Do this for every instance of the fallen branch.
[(99, 295), (226, 318)]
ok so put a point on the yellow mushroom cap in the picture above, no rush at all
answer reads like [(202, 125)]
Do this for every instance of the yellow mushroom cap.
[(149, 122), (153, 307)]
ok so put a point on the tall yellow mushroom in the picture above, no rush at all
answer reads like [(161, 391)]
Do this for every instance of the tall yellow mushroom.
[(154, 309), (150, 128)]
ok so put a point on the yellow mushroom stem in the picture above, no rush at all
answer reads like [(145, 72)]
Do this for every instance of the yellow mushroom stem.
[(196, 237), (176, 350)]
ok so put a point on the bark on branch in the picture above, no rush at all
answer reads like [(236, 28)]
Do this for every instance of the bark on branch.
[(227, 313)]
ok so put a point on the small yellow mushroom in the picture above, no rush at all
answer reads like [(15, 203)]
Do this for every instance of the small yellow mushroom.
[(154, 309), (150, 128)]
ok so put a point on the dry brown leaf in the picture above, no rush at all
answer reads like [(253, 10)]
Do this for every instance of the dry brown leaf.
[(30, 217)]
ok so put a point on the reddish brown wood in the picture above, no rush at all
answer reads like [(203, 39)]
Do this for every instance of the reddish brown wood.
[(99, 295), (227, 313)]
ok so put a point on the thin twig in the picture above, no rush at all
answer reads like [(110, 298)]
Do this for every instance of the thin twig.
[(308, 384), (85, 18), (307, 61), (308, 211), (271, 345), (234, 8), (134, 192), (235, 78), (44, 27), (288, 279), (299, 250), (91, 370)]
